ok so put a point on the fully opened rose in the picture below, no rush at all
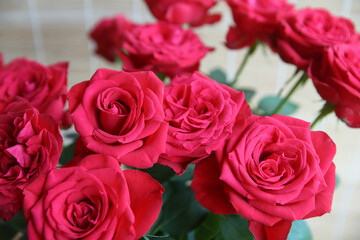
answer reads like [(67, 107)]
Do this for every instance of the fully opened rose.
[(303, 35), (45, 87), (93, 199), (255, 20), (337, 80), (162, 48), (120, 114), (192, 12), (272, 171), (30, 145), (201, 115)]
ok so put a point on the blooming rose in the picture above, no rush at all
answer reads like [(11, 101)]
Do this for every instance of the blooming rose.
[(92, 200), (272, 171), (162, 47), (254, 20), (30, 145), (45, 87), (303, 36), (108, 35), (193, 12), (120, 114), (337, 80), (201, 115)]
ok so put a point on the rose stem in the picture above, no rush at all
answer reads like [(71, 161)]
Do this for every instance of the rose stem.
[(288, 81), (325, 110), (249, 52), (301, 80)]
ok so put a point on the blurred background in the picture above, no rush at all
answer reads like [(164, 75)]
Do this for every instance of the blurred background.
[(50, 31)]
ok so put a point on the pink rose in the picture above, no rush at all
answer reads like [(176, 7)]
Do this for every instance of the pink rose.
[(108, 35), (201, 115), (337, 80), (30, 145), (193, 12), (162, 48), (303, 36), (254, 20), (272, 171), (120, 114), (93, 200), (45, 87)]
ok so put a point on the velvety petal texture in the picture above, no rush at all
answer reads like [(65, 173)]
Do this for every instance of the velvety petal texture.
[(108, 34), (255, 20), (45, 87), (93, 199), (120, 114), (162, 48), (192, 12), (337, 79), (30, 145), (201, 115), (272, 171), (304, 34)]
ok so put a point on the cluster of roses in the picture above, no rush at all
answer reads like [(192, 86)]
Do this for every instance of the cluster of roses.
[(271, 170)]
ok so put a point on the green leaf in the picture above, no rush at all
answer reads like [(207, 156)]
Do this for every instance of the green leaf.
[(234, 227), (67, 153), (218, 75), (209, 228), (268, 104), (337, 180), (160, 172), (249, 93), (299, 231), (181, 213), (18, 222)]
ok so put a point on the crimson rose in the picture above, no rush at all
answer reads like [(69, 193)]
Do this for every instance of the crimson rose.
[(45, 87), (303, 35), (163, 48), (108, 35), (120, 114), (337, 80), (92, 200), (193, 12), (254, 20), (201, 115), (272, 171), (30, 145)]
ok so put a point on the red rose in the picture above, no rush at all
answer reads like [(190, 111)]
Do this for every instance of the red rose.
[(272, 171), (254, 20), (201, 115), (30, 145), (193, 12), (120, 114), (94, 200), (108, 35), (162, 47), (45, 87), (337, 80), (303, 36)]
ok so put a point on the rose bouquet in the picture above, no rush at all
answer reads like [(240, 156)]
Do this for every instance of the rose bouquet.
[(163, 151)]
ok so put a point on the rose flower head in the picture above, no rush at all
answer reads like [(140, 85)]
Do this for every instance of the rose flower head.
[(272, 171), (304, 34), (255, 20), (162, 48), (94, 199), (45, 87), (120, 114), (108, 34), (337, 79), (30, 145), (201, 115), (192, 12)]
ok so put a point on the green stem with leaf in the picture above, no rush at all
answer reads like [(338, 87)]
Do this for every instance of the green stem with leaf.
[(325, 110), (301, 81), (250, 51)]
